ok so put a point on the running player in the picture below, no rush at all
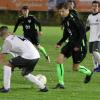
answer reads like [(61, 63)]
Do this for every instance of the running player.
[(29, 24), (76, 47)]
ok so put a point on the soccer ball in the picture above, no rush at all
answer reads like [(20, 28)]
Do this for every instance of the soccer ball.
[(42, 78)]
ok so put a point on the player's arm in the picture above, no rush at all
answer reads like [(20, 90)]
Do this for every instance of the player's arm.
[(5, 50), (63, 39), (39, 26), (17, 24), (81, 33)]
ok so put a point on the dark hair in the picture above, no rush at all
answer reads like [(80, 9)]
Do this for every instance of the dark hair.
[(96, 2), (3, 29), (62, 5), (70, 1), (24, 8)]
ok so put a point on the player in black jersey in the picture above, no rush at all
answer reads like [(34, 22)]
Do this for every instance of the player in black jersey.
[(72, 10), (72, 6), (76, 47), (29, 24)]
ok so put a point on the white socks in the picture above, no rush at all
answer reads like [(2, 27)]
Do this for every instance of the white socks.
[(33, 79), (96, 56), (30, 77), (94, 62), (7, 77)]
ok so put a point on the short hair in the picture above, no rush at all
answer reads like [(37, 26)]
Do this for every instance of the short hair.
[(62, 5), (24, 8), (96, 2), (3, 29), (69, 1)]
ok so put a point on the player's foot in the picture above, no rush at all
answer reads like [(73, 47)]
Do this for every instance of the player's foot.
[(97, 69), (47, 58), (3, 90), (44, 90), (88, 78), (60, 86)]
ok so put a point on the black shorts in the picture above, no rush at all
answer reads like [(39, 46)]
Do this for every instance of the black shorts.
[(77, 56), (32, 37), (26, 65), (94, 46)]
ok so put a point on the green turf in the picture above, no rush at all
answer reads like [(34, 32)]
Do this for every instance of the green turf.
[(75, 89)]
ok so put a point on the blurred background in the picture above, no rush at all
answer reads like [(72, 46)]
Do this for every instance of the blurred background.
[(42, 9)]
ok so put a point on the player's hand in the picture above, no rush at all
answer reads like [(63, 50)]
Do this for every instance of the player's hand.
[(58, 46), (40, 33)]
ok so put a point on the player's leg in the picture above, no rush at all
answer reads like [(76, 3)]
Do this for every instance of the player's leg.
[(78, 57), (32, 78), (96, 55), (91, 52), (43, 51), (94, 48), (6, 78), (82, 69), (65, 52), (26, 72), (7, 73), (60, 71), (34, 39)]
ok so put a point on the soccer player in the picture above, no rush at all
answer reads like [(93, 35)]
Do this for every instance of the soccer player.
[(76, 47), (93, 24), (72, 6), (26, 58), (72, 10), (29, 24)]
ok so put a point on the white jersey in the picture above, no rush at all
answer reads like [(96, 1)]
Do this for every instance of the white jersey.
[(20, 46), (93, 22)]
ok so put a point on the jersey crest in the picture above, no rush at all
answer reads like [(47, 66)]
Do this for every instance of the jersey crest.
[(29, 21)]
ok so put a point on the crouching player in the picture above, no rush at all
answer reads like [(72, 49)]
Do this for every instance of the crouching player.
[(24, 60)]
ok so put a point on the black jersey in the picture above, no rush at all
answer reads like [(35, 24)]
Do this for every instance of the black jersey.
[(74, 30), (29, 24), (74, 12)]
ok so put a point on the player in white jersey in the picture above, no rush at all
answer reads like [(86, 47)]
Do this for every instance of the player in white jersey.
[(24, 60), (93, 24)]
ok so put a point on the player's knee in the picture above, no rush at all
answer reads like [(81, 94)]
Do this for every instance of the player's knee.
[(26, 76), (60, 59), (75, 67), (95, 53), (24, 72)]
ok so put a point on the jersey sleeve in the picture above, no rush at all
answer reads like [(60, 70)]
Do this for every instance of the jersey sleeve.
[(81, 33), (17, 24), (6, 47), (37, 23), (65, 36)]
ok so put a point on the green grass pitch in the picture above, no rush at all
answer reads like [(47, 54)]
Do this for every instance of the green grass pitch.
[(75, 89)]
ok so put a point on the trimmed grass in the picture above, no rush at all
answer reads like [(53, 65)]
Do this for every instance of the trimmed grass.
[(75, 89)]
